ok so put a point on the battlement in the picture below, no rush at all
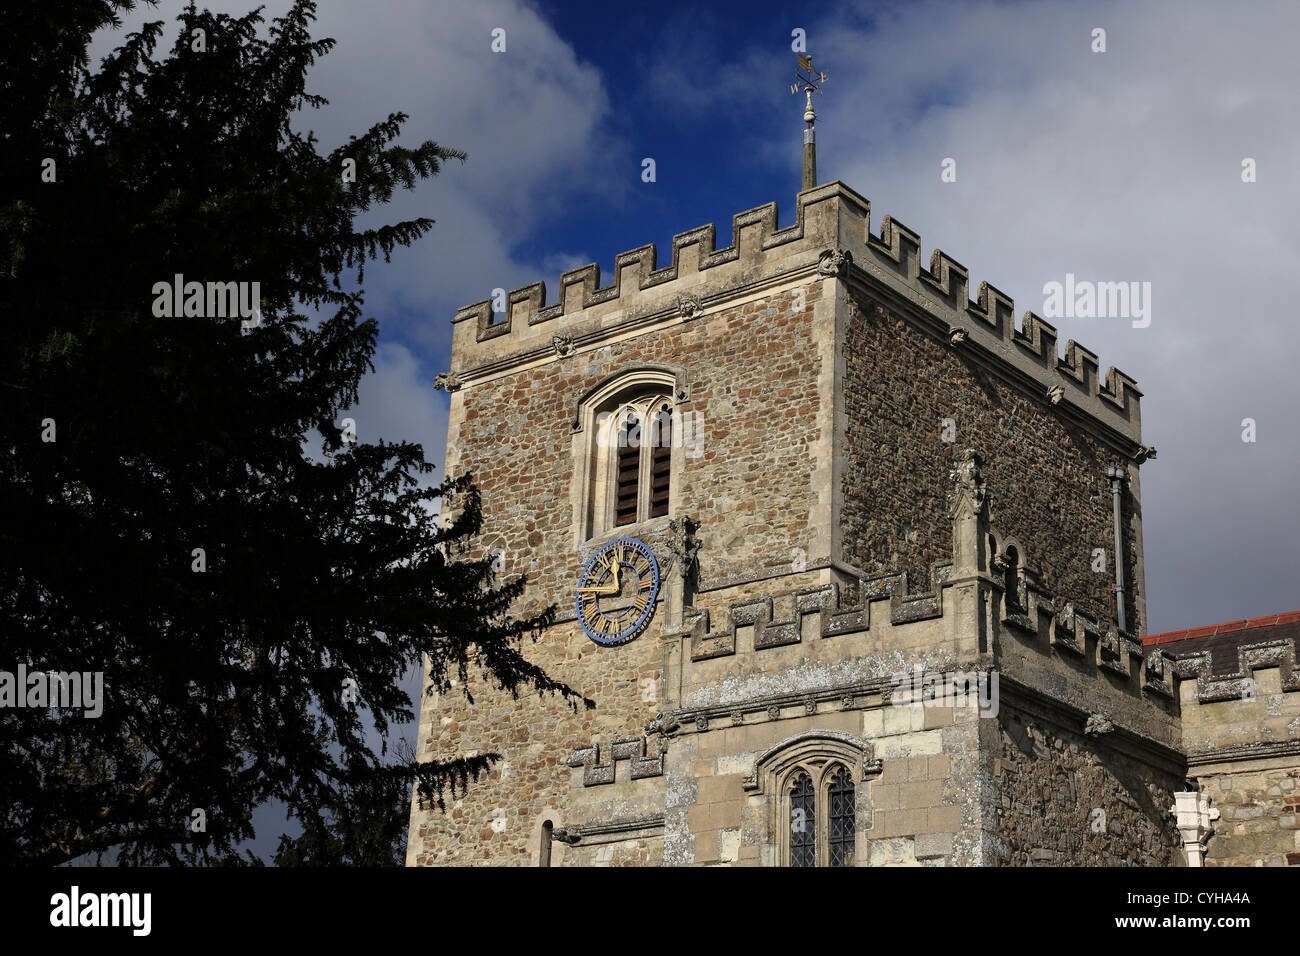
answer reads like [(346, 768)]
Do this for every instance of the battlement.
[(1238, 686), (830, 238), (836, 615), (1222, 659)]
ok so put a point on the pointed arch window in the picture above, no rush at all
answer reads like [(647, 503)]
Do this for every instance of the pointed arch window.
[(842, 818), (815, 792), (631, 466), (1011, 579), (803, 821), (821, 803)]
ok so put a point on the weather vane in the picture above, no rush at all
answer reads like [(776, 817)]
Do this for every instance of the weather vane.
[(811, 80)]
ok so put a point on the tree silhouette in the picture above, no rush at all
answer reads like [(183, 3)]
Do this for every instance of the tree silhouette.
[(250, 605)]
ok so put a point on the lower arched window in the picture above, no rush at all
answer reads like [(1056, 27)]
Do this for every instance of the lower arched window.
[(814, 796), (822, 828), (841, 818), (803, 822)]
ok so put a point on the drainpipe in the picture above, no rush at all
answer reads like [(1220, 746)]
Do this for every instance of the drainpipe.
[(1117, 474)]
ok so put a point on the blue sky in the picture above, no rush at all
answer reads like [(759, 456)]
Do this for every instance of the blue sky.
[(1115, 166)]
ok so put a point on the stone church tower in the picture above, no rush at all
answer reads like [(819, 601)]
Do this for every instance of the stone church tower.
[(834, 549), (851, 565)]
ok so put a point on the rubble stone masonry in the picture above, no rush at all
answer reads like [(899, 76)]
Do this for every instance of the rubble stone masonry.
[(899, 388)]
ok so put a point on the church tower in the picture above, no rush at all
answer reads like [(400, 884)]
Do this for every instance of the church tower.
[(834, 551)]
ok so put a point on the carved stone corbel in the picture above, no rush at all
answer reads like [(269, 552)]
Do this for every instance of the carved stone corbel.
[(447, 382), (684, 546), (664, 724), (567, 836), (1097, 725), (834, 263)]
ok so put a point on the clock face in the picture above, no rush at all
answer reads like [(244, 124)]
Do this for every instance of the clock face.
[(617, 591)]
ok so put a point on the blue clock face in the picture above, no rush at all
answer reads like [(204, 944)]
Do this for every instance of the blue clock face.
[(617, 591)]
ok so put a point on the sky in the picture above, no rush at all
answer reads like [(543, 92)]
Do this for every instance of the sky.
[(1122, 165)]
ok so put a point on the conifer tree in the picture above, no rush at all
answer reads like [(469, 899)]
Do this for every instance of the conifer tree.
[(252, 600)]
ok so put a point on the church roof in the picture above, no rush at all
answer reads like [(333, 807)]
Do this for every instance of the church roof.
[(1222, 640)]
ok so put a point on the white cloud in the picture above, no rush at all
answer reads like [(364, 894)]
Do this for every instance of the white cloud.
[(531, 120), (397, 403)]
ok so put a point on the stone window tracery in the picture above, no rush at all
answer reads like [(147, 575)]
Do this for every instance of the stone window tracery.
[(816, 806), (627, 451), (803, 821), (822, 815), (842, 819)]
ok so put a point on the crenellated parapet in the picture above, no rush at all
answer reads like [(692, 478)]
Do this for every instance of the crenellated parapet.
[(1035, 619), (831, 238), (641, 765), (939, 296), (1223, 659), (835, 614), (1238, 687), (637, 272), (1029, 615), (1239, 683)]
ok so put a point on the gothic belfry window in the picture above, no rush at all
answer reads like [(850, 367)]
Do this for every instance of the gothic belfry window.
[(630, 445), (661, 456), (628, 466), (632, 462), (803, 821)]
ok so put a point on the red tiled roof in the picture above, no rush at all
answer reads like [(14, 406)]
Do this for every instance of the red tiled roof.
[(1214, 629)]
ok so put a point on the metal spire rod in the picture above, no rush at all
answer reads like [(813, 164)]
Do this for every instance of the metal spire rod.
[(811, 81)]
